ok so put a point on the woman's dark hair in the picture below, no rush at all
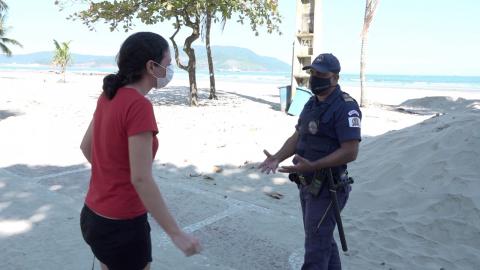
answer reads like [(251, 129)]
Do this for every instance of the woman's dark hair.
[(135, 52)]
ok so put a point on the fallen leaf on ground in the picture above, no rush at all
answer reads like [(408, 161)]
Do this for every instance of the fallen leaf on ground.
[(274, 195)]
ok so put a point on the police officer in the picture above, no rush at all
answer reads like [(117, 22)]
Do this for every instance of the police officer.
[(326, 137)]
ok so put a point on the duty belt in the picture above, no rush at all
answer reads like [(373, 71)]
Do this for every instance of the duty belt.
[(315, 182)]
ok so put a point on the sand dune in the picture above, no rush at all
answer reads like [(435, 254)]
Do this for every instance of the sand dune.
[(416, 201)]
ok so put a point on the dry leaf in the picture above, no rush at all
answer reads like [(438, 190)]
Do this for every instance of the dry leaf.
[(206, 177), (217, 169), (274, 195)]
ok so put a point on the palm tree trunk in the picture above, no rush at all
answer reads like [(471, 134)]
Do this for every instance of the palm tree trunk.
[(362, 71), (370, 7), (209, 57), (64, 71)]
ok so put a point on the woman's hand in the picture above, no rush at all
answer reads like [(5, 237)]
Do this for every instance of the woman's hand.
[(187, 243)]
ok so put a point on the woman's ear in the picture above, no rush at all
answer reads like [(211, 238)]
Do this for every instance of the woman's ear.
[(150, 67)]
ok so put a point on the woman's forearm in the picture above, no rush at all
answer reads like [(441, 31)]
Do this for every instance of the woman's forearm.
[(152, 199)]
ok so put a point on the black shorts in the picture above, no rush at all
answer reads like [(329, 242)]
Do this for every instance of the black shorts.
[(119, 244)]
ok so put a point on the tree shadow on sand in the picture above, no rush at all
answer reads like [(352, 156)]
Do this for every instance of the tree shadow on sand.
[(170, 96), (273, 105), (179, 96), (39, 212)]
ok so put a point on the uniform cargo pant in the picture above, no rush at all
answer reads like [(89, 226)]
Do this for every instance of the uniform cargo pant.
[(321, 251)]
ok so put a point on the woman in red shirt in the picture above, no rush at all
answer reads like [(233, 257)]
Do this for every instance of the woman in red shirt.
[(121, 143)]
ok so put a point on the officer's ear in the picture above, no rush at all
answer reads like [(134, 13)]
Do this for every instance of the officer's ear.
[(336, 77)]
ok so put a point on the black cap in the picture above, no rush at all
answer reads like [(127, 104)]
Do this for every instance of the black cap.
[(325, 62)]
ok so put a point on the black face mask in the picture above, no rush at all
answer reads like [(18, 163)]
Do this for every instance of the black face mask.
[(319, 85)]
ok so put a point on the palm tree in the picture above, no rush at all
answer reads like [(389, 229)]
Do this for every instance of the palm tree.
[(62, 56), (370, 7), (4, 40)]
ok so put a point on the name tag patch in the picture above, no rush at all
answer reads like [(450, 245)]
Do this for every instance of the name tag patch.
[(354, 122)]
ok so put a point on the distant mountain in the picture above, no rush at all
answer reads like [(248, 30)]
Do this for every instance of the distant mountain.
[(225, 58), (236, 58)]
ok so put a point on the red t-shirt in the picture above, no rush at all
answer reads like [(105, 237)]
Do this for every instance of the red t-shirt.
[(111, 192)]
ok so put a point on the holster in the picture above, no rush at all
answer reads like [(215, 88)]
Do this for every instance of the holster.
[(317, 182), (297, 179)]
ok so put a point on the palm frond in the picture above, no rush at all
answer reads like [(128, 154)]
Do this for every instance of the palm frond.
[(3, 31), (5, 49), (2, 22), (57, 46), (370, 7), (11, 41), (3, 6)]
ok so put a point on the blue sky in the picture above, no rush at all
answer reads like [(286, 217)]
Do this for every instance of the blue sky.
[(425, 37)]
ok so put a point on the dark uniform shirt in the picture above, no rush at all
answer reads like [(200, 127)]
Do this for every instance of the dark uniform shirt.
[(324, 125)]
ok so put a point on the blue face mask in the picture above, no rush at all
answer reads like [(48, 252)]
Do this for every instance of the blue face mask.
[(319, 85)]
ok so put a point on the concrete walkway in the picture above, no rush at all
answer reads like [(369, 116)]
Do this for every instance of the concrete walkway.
[(40, 207)]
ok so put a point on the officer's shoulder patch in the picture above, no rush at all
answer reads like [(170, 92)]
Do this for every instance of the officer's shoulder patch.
[(354, 122), (347, 97)]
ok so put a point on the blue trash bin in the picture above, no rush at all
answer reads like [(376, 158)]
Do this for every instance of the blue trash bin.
[(285, 97), (302, 95)]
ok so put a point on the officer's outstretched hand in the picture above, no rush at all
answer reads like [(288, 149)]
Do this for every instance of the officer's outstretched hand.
[(270, 164), (302, 166)]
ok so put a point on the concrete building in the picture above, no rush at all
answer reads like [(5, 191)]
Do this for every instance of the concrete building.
[(307, 41)]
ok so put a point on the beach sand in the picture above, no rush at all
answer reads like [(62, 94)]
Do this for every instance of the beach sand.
[(415, 202)]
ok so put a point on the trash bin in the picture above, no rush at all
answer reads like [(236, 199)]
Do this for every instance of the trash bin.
[(285, 97), (302, 95)]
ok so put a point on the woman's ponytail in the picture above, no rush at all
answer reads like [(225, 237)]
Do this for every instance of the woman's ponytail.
[(111, 84)]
